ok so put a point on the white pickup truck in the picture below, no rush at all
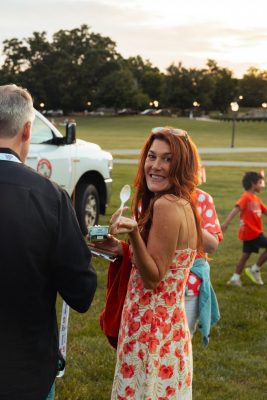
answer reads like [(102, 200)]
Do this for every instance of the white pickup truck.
[(83, 169)]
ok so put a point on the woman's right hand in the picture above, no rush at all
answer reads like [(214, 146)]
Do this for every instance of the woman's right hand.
[(112, 244)]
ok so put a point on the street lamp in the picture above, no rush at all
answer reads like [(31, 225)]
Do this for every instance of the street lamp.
[(154, 103), (42, 104), (234, 107), (195, 107), (264, 106)]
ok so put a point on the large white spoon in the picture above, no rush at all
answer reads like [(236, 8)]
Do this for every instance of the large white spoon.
[(125, 194)]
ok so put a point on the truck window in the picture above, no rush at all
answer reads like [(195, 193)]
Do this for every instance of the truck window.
[(41, 133)]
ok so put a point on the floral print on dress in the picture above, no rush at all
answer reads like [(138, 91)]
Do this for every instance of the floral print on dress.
[(154, 355)]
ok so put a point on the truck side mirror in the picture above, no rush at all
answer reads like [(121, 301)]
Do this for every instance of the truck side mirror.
[(70, 133)]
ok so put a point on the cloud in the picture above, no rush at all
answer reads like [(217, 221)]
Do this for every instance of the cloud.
[(161, 31)]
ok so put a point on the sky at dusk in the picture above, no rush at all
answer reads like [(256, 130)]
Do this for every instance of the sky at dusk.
[(162, 31)]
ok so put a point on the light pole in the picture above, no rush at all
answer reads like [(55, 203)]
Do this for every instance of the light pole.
[(264, 106), (156, 103), (234, 107), (196, 105)]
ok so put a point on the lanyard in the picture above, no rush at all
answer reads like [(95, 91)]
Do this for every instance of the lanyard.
[(9, 157), (63, 334)]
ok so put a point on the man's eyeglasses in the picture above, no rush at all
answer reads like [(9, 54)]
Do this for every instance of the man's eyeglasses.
[(173, 131)]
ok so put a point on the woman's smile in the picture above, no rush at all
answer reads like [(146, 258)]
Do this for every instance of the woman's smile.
[(157, 166), (157, 177)]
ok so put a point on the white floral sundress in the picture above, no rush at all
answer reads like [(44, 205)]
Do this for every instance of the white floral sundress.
[(154, 355)]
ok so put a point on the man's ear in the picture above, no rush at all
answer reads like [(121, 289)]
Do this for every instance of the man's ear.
[(26, 133)]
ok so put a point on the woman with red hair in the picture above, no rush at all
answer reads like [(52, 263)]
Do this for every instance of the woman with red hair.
[(154, 355)]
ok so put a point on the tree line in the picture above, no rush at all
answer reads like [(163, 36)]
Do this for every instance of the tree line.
[(80, 69)]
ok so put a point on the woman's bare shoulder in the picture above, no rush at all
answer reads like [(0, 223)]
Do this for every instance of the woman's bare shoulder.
[(166, 213), (169, 202), (171, 198)]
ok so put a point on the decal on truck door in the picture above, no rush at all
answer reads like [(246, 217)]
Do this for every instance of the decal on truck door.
[(44, 167)]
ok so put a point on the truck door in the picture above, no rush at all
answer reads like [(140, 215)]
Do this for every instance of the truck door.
[(46, 157)]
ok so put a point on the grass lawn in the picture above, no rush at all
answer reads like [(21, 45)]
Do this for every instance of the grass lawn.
[(130, 132), (233, 366)]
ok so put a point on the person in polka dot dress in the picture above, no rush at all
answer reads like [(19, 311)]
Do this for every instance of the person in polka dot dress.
[(200, 301)]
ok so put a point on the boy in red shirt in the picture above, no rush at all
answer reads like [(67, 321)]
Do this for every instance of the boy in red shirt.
[(250, 231)]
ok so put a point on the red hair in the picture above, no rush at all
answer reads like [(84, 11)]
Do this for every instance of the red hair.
[(183, 177)]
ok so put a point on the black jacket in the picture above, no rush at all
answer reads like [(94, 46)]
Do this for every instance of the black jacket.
[(42, 252)]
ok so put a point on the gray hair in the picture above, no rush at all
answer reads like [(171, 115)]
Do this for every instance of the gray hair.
[(16, 108)]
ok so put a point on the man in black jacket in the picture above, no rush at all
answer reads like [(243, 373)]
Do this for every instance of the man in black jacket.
[(42, 252)]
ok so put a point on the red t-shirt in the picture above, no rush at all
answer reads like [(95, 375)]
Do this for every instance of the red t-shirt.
[(209, 221), (251, 209)]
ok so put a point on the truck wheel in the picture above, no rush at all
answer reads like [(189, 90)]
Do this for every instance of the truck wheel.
[(87, 206)]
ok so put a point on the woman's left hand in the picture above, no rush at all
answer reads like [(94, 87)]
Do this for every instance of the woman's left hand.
[(111, 243)]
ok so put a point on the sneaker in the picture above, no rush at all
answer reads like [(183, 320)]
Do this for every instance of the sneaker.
[(234, 282), (255, 276)]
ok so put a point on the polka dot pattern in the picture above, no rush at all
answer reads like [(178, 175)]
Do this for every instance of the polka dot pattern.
[(192, 279), (209, 213), (210, 222), (201, 198)]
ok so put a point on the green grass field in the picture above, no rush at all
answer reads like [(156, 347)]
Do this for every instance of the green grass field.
[(233, 366), (130, 132)]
